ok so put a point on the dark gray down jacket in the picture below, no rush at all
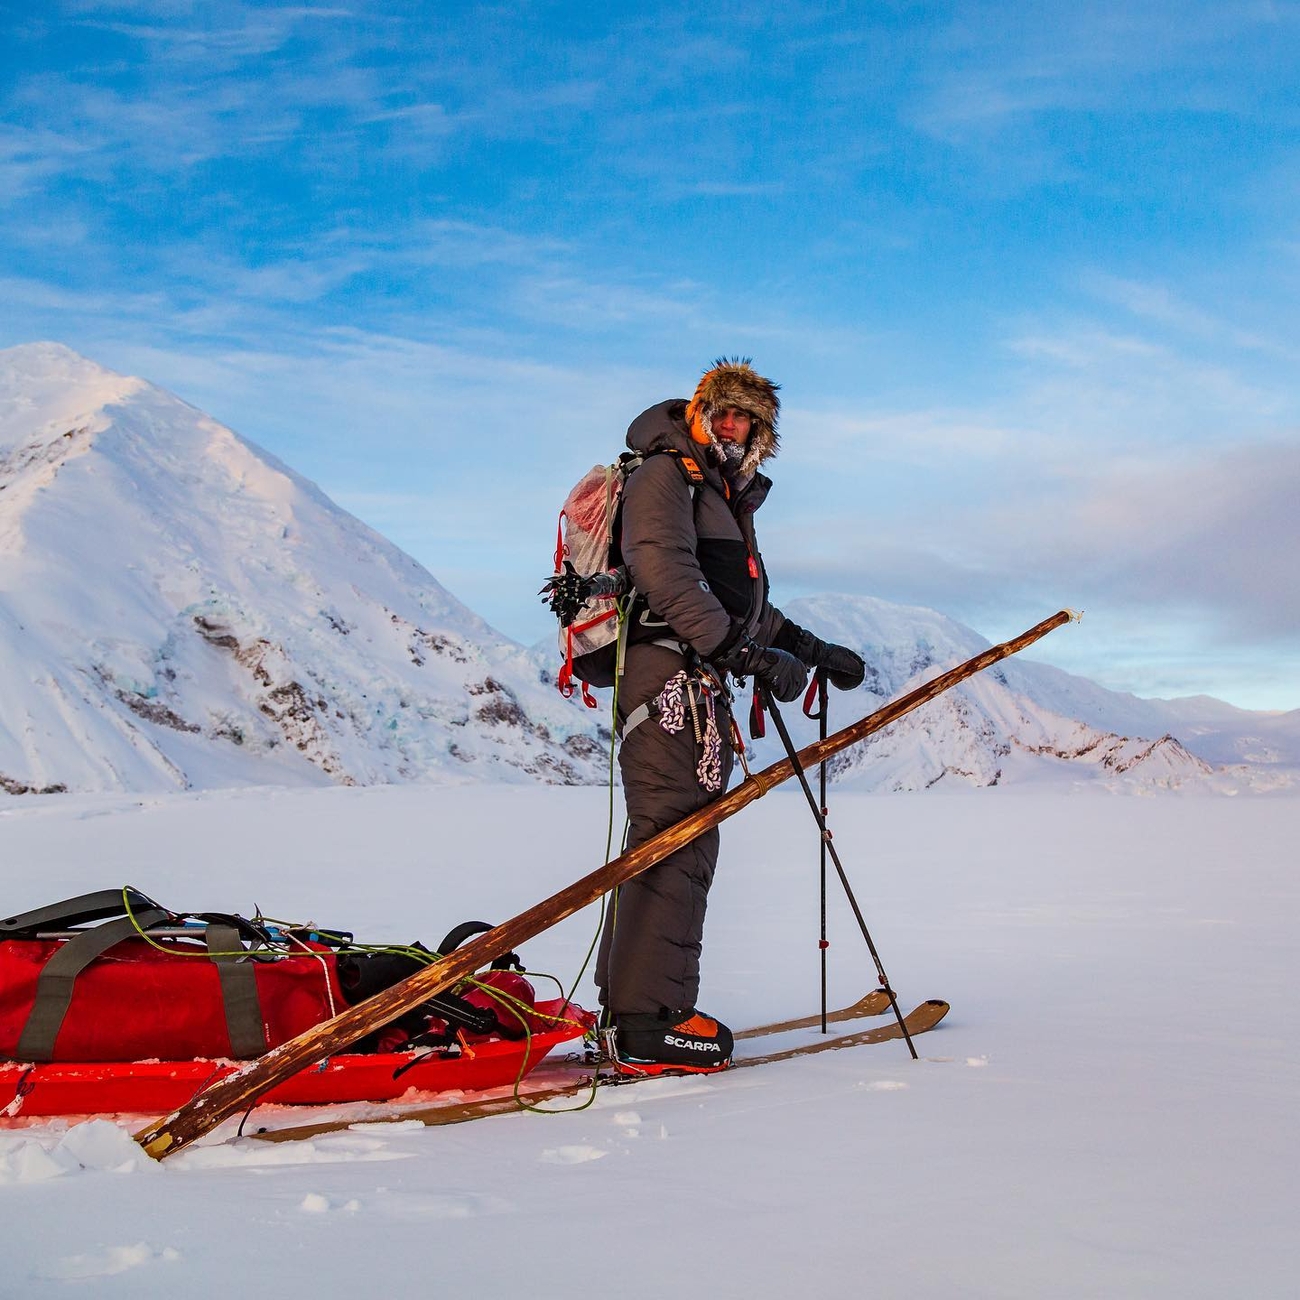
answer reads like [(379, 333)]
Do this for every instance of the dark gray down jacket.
[(691, 553), (700, 579)]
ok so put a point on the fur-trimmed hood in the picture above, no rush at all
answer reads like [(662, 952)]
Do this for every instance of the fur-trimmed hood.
[(733, 382)]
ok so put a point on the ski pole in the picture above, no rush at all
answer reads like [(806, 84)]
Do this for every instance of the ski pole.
[(819, 817), (822, 723), (817, 691)]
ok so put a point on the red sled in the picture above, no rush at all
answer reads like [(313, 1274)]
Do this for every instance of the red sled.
[(156, 1087), (141, 1013)]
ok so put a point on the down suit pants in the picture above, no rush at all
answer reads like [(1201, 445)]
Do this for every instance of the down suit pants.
[(649, 956)]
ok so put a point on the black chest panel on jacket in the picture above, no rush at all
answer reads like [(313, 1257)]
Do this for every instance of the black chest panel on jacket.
[(725, 564)]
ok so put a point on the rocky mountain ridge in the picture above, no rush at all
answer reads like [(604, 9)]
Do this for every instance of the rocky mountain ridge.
[(1023, 721)]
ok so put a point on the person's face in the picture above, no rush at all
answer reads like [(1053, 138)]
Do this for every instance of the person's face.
[(731, 425)]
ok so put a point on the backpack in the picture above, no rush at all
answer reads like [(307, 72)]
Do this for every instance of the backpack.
[(591, 592)]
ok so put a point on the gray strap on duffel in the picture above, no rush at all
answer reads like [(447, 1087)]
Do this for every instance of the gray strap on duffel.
[(54, 986), (74, 911), (238, 991)]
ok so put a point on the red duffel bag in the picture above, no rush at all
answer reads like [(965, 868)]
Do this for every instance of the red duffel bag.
[(147, 983)]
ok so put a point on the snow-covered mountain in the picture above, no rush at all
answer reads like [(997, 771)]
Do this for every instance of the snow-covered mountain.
[(1024, 721), (178, 609)]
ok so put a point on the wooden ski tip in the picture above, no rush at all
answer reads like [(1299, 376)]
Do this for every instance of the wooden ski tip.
[(155, 1144)]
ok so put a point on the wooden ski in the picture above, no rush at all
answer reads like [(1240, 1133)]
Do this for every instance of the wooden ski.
[(572, 1079), (237, 1092), (875, 1003)]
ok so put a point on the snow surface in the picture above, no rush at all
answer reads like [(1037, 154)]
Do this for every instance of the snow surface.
[(1109, 1109)]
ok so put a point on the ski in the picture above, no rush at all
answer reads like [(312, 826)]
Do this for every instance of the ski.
[(922, 1019), (875, 1003)]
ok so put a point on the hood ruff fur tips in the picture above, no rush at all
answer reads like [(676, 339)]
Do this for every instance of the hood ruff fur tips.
[(732, 381)]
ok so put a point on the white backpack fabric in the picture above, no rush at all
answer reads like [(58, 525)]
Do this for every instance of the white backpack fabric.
[(590, 591), (594, 581)]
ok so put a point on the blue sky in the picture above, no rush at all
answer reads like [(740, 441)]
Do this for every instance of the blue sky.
[(1027, 273)]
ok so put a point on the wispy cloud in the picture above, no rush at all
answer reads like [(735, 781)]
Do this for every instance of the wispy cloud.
[(449, 242), (1199, 552), (724, 189), (257, 78), (31, 156), (1161, 305), (574, 301), (236, 33), (1007, 63), (1146, 468), (107, 131), (44, 297), (1121, 389), (918, 439), (1216, 533)]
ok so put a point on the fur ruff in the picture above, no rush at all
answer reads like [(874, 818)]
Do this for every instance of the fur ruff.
[(733, 382)]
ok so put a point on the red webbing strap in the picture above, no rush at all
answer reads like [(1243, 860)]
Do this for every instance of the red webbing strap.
[(592, 622), (757, 719), (559, 541), (564, 679), (811, 696)]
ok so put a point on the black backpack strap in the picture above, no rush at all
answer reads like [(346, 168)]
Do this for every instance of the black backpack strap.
[(689, 466), (467, 930), (238, 990), (458, 934), (98, 906), (695, 478), (55, 983)]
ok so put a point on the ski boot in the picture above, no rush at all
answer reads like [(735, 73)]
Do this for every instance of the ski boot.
[(671, 1042)]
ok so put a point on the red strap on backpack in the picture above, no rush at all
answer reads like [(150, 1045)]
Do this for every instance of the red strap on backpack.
[(559, 541), (564, 680)]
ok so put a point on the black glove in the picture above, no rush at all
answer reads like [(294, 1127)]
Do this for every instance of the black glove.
[(844, 669), (778, 670)]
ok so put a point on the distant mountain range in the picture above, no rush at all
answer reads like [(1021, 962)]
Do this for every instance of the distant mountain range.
[(179, 610), (1024, 721)]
